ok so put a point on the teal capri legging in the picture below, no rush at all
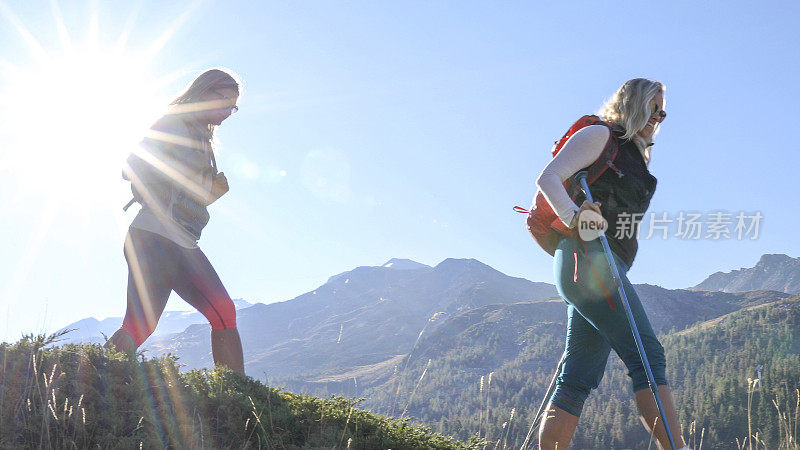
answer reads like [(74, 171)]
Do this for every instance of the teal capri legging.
[(597, 323)]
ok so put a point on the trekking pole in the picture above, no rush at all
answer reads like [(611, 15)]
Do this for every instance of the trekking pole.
[(545, 400), (581, 178)]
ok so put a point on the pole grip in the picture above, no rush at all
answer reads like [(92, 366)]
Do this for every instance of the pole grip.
[(580, 177)]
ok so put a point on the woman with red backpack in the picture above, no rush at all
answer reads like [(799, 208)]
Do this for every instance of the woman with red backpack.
[(616, 152), (174, 177)]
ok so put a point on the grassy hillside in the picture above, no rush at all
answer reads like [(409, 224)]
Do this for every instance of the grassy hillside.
[(81, 396), (482, 373)]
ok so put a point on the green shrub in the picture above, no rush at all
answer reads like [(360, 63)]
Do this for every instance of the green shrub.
[(82, 396)]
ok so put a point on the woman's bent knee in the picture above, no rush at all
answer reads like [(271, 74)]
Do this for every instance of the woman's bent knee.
[(221, 314), (657, 361), (639, 376), (570, 398)]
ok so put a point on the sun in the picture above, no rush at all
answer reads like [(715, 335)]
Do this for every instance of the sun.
[(69, 117), (74, 102), (72, 121)]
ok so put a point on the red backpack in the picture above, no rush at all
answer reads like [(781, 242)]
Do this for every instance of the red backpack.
[(543, 223)]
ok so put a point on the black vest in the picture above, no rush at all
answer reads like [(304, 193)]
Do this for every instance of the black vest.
[(624, 199)]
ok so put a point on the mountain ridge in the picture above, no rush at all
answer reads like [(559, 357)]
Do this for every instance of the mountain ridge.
[(773, 271), (375, 332)]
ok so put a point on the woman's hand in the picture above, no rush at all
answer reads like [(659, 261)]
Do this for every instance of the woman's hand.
[(219, 186), (587, 205)]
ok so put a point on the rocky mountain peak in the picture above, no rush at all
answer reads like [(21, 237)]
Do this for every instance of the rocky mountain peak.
[(775, 260), (775, 272)]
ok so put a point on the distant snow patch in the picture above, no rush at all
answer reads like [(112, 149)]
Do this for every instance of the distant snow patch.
[(403, 264)]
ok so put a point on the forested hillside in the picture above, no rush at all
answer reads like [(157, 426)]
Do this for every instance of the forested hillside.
[(489, 379)]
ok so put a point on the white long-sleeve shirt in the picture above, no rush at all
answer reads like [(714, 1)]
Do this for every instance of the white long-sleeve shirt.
[(580, 151)]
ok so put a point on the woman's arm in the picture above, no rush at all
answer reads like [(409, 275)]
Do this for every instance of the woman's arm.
[(580, 151)]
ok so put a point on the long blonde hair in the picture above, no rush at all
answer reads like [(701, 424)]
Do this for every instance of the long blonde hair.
[(629, 108)]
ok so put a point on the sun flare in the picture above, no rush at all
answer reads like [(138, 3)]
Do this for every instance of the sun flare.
[(70, 115), (69, 122)]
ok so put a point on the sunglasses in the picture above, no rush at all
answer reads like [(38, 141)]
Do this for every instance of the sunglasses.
[(660, 113), (233, 108)]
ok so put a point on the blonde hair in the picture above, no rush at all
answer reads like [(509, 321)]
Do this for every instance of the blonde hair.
[(629, 108), (208, 81)]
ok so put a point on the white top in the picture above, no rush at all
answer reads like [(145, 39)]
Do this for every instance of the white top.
[(164, 225), (581, 150)]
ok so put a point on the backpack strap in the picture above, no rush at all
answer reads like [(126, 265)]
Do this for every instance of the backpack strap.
[(604, 162), (606, 159), (213, 160)]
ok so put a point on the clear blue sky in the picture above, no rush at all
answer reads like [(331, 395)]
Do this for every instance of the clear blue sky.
[(373, 130)]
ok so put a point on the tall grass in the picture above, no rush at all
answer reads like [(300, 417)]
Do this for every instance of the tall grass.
[(411, 397), (787, 412), (431, 319), (84, 396), (788, 422)]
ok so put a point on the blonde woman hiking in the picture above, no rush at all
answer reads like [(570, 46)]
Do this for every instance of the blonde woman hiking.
[(597, 322), (175, 178)]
